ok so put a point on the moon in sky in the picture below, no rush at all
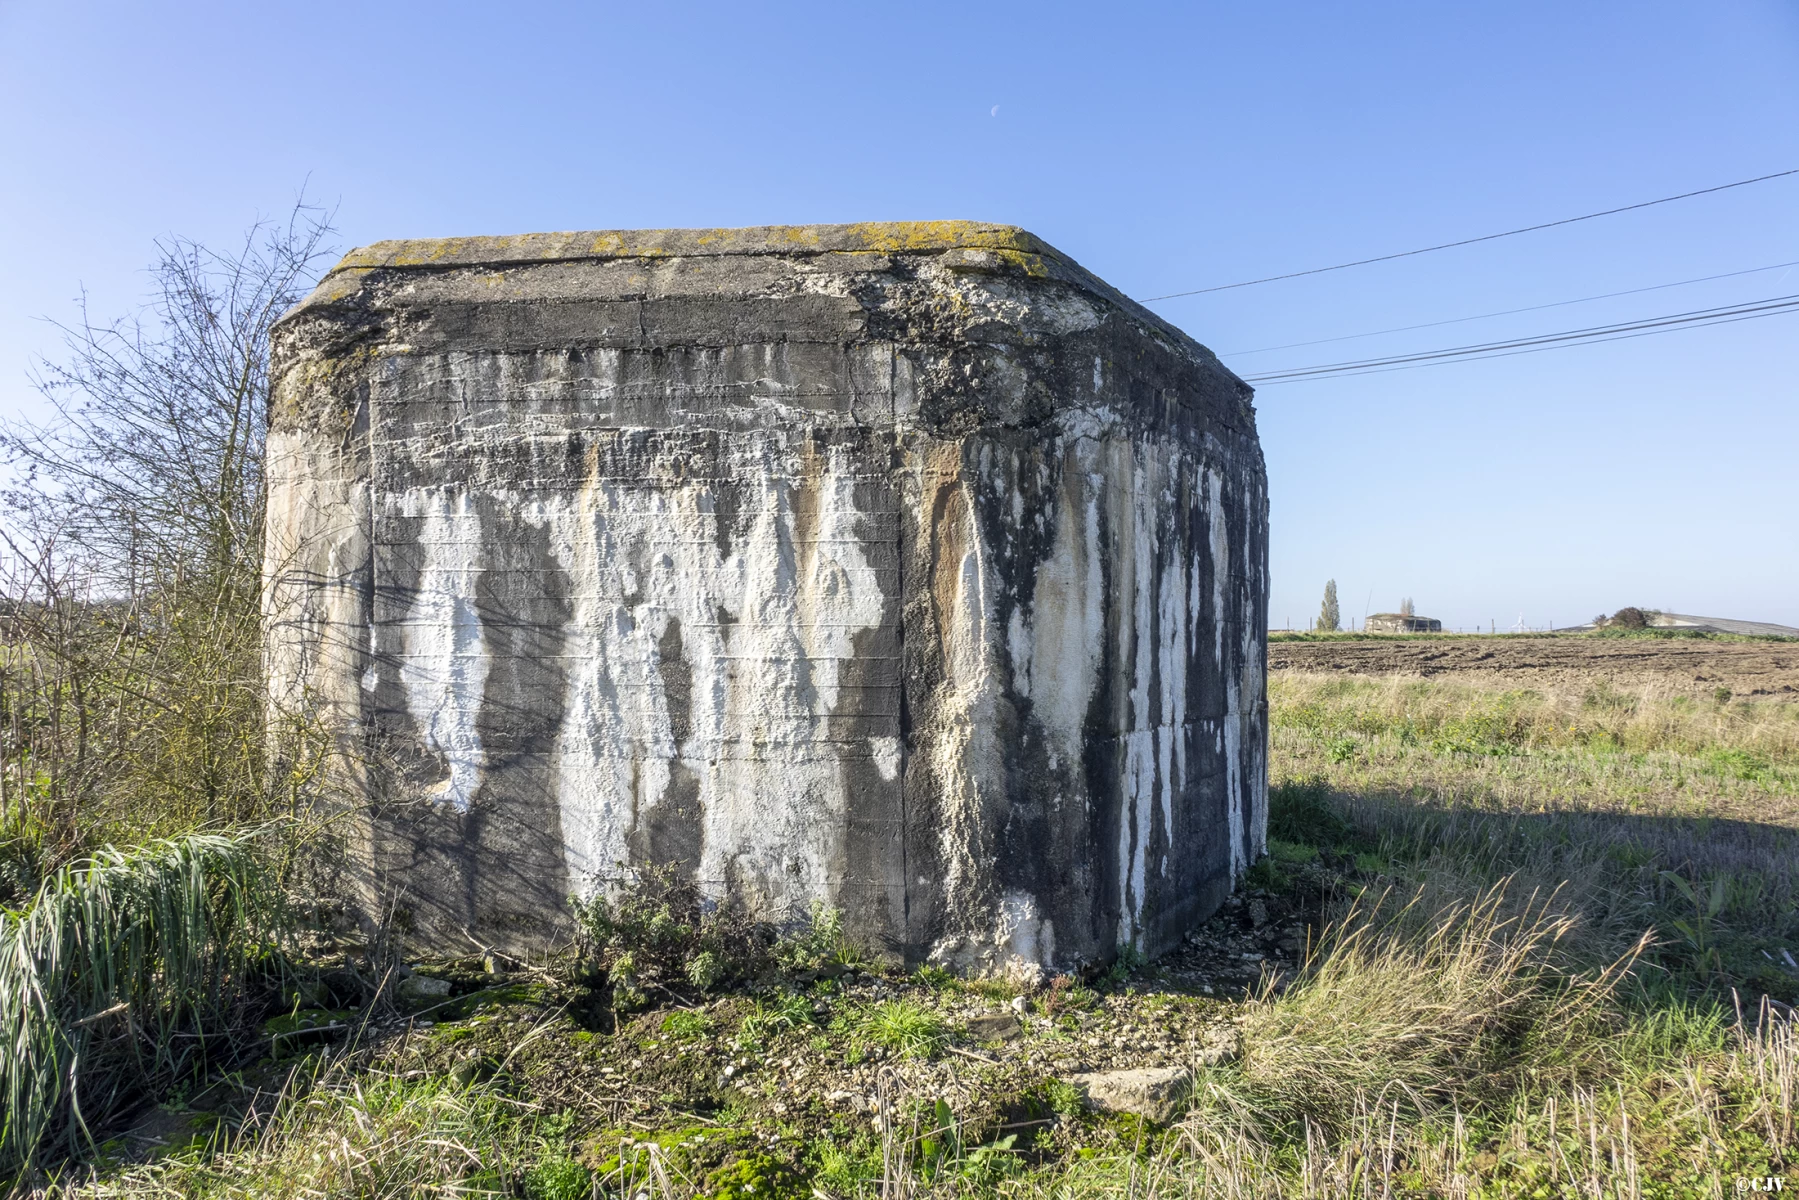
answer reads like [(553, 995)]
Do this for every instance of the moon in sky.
[(996, 110)]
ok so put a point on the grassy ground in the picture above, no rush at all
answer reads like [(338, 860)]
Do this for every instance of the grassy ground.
[(1512, 943)]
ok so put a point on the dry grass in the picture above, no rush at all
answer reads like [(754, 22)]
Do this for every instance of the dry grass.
[(1457, 1007), (1460, 785), (1701, 1121), (355, 1136)]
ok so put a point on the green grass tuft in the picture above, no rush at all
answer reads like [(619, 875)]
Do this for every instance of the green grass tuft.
[(905, 1026)]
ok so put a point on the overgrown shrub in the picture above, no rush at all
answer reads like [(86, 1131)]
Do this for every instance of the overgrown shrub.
[(661, 933), (131, 697)]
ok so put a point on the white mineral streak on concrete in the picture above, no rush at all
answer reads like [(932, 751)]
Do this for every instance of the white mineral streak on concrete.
[(443, 659), (967, 761), (1251, 693), (1171, 750), (1139, 558), (1068, 609), (1018, 644), (1029, 940), (1233, 707), (593, 789), (887, 757), (767, 636), (1153, 500)]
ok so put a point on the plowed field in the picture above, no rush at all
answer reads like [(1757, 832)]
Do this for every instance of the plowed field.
[(1676, 664)]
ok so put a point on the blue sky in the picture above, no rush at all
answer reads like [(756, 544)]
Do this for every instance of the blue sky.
[(1166, 147)]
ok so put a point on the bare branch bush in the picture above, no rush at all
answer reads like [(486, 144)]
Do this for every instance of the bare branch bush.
[(131, 697)]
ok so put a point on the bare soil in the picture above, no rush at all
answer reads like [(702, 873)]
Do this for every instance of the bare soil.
[(1678, 664)]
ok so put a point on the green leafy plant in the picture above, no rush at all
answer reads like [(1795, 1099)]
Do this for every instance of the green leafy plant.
[(1699, 932), (659, 932), (1064, 1099), (1291, 853), (941, 1144), (942, 1152), (684, 1025), (558, 1177), (705, 970), (846, 1167), (935, 978), (779, 1014), (1130, 958), (1265, 874), (1736, 763), (1301, 810), (819, 945)]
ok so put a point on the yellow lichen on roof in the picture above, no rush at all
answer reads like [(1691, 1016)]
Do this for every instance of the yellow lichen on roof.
[(880, 237), (890, 237)]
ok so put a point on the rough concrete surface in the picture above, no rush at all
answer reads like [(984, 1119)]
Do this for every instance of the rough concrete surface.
[(904, 569)]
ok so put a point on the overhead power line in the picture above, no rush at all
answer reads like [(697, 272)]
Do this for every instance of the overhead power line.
[(1774, 306), (1488, 237), (1350, 337)]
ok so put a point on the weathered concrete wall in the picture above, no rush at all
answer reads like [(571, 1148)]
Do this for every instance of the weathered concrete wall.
[(905, 568)]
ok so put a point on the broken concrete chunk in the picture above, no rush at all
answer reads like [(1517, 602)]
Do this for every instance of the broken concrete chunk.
[(994, 1027), (1155, 1093), (423, 987), (904, 570)]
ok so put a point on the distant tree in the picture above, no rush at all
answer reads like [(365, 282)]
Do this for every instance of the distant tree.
[(1630, 618), (1329, 618), (1405, 608)]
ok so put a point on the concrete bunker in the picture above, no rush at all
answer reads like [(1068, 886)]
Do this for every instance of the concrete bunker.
[(1401, 622), (907, 569)]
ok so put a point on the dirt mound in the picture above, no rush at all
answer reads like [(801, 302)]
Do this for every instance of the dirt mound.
[(1685, 664)]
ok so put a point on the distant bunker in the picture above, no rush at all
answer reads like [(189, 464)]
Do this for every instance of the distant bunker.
[(906, 570), (1401, 623)]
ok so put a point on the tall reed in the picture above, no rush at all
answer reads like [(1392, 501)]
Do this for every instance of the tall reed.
[(123, 974)]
